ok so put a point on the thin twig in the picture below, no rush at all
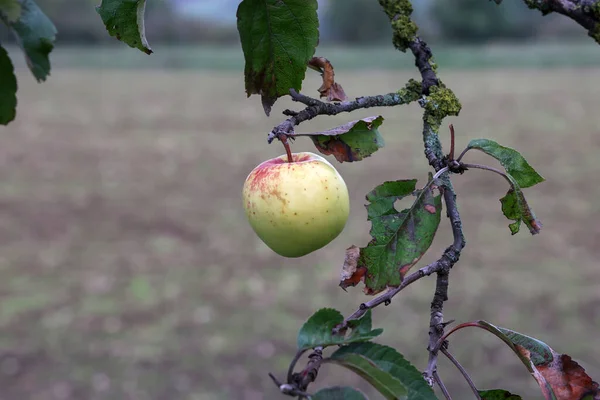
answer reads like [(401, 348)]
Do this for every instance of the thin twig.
[(464, 372), (452, 137), (438, 380), (293, 364), (317, 107), (302, 379), (288, 389), (442, 263)]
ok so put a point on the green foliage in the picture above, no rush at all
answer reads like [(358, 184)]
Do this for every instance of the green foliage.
[(317, 331), (124, 19), (498, 394), (512, 161), (481, 21), (278, 39), (8, 89), (387, 370), (350, 142), (338, 393), (520, 175), (516, 208), (36, 35), (400, 238), (10, 10)]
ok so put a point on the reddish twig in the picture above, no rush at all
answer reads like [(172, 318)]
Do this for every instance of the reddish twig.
[(451, 154)]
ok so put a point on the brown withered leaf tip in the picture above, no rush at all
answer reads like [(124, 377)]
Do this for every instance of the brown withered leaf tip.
[(351, 274), (330, 89), (568, 379)]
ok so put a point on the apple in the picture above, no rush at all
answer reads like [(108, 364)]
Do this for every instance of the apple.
[(296, 207)]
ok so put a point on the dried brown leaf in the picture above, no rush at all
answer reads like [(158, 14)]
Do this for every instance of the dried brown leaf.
[(330, 89), (351, 275)]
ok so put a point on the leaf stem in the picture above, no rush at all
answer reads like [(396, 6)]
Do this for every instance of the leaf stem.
[(438, 380), (488, 168), (437, 175), (451, 331), (464, 373), (463, 154)]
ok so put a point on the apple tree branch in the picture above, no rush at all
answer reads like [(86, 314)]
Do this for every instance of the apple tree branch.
[(585, 12)]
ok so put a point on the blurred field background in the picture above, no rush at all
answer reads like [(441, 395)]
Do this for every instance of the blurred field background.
[(129, 271)]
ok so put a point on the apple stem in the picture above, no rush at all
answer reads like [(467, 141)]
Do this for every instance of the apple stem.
[(286, 145)]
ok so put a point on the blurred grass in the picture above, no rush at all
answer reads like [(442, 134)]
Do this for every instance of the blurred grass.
[(230, 58), (129, 271)]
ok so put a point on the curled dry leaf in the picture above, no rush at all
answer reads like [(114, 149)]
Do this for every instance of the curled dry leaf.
[(351, 275), (330, 89)]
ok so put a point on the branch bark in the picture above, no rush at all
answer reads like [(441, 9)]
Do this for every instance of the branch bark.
[(317, 107), (399, 11), (585, 12)]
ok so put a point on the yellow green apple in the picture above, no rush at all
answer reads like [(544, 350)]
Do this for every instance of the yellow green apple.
[(296, 207)]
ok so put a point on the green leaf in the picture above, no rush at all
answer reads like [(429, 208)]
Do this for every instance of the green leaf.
[(558, 375), (388, 361), (124, 19), (516, 208), (390, 387), (36, 35), (512, 161), (399, 238), (318, 330), (10, 10), (338, 393), (278, 39), (8, 89), (497, 394), (350, 142)]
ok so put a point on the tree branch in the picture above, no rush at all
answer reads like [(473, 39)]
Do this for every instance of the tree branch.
[(585, 12), (445, 262), (317, 107), (436, 107)]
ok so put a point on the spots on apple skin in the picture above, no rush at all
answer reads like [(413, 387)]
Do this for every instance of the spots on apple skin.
[(259, 178), (276, 193)]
